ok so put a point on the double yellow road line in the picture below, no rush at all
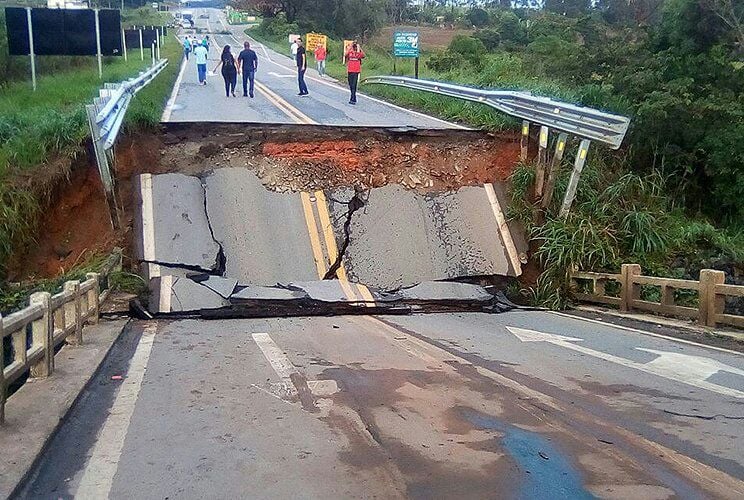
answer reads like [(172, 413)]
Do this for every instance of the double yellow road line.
[(295, 114), (325, 249)]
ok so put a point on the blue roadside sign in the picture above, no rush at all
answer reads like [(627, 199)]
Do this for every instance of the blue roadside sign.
[(405, 44)]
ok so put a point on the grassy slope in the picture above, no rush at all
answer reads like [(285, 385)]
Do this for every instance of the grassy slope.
[(51, 122)]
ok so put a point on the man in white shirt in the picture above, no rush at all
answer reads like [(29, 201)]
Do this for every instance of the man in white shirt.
[(293, 49), (200, 55)]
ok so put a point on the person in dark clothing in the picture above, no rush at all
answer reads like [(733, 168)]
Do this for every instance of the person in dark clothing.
[(354, 57), (229, 70), (301, 67), (248, 64)]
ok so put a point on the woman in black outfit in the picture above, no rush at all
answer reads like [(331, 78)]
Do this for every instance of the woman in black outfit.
[(229, 71)]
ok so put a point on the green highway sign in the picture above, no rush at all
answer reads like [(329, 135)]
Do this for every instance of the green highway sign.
[(406, 44)]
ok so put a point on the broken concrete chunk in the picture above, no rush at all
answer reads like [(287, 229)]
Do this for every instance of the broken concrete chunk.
[(444, 290), (255, 292), (223, 286), (324, 291), (171, 223), (174, 294)]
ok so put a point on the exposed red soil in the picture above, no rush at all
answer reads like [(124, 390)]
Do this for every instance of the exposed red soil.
[(74, 227), (75, 224)]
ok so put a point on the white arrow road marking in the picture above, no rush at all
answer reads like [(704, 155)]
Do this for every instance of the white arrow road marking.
[(684, 368)]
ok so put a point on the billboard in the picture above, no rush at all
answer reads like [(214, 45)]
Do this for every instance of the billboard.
[(63, 32), (406, 44), (315, 40)]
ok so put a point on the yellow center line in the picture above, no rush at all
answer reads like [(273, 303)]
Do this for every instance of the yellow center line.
[(312, 231), (294, 113)]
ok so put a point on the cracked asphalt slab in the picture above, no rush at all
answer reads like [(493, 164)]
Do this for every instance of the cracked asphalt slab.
[(227, 223), (428, 406)]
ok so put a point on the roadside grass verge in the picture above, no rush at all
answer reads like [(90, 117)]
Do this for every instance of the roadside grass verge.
[(36, 127)]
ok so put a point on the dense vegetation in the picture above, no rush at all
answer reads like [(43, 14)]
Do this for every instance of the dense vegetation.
[(672, 198), (51, 123)]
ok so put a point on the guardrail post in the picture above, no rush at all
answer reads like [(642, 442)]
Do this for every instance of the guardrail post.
[(629, 291), (542, 160), (524, 141), (72, 312), (2, 372), (573, 182), (560, 147), (94, 297), (710, 304), (43, 329)]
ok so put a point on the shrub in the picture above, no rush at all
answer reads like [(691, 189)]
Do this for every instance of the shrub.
[(471, 49)]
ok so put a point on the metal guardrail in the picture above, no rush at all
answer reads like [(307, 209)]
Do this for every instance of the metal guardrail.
[(105, 118), (36, 331), (711, 294), (584, 122)]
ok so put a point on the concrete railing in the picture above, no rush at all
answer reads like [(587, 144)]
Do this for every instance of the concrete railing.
[(36, 331), (711, 294)]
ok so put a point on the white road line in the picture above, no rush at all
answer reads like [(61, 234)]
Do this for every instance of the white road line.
[(277, 359), (148, 225), (166, 290), (646, 332), (504, 232), (99, 472), (172, 99)]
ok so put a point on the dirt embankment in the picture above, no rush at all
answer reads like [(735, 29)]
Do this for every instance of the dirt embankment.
[(75, 225)]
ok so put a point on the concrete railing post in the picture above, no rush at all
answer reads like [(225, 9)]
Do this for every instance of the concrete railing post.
[(43, 329), (94, 297), (709, 303), (524, 141), (2, 373), (72, 312), (629, 291)]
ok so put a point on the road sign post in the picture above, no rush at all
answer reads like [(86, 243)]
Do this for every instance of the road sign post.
[(124, 44), (142, 48), (406, 44), (31, 48), (98, 46)]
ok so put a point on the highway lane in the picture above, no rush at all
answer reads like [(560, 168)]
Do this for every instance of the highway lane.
[(276, 99), (446, 406)]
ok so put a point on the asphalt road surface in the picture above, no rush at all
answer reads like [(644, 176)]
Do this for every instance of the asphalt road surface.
[(429, 406), (522, 404), (276, 99)]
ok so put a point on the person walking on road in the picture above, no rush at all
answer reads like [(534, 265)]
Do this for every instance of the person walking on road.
[(301, 59), (186, 47), (248, 64), (200, 56), (320, 59), (229, 70), (354, 57)]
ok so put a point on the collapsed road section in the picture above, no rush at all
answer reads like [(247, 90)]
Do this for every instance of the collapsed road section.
[(383, 209)]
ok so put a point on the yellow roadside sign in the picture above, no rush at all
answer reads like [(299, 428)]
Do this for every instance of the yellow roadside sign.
[(316, 40), (347, 46)]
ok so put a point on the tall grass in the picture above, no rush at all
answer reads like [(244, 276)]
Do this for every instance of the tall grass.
[(34, 126)]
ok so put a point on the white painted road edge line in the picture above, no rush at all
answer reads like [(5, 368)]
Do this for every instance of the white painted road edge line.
[(504, 232), (148, 226), (646, 332), (277, 359), (174, 93), (102, 465)]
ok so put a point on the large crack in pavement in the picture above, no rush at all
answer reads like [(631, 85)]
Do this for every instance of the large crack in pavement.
[(355, 203), (221, 258)]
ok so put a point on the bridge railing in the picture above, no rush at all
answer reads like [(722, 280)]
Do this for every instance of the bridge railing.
[(708, 304), (33, 333)]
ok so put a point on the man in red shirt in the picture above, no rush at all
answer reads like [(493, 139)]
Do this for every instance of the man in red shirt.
[(320, 59), (354, 57)]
